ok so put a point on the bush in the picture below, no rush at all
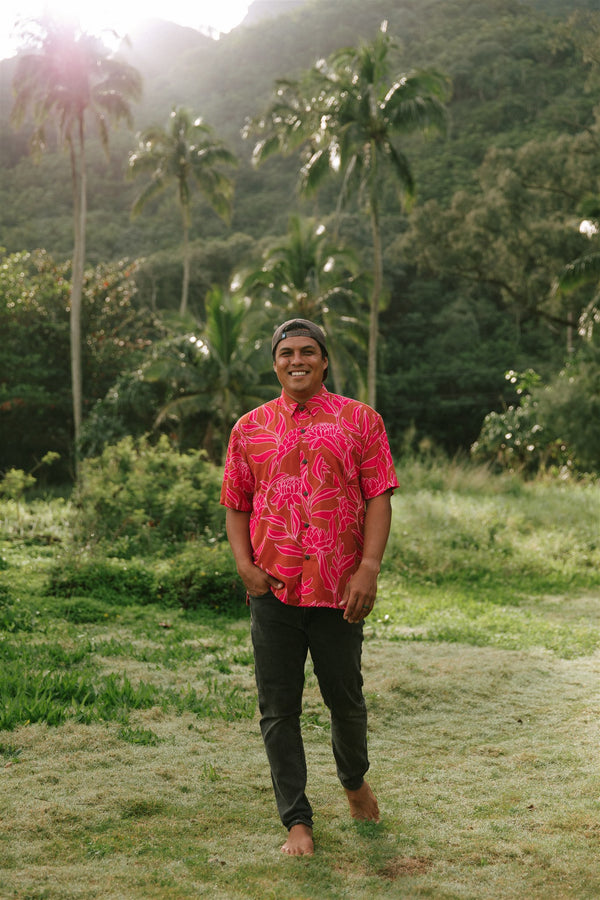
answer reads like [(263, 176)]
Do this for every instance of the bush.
[(570, 407), (555, 426), (111, 581), (128, 408), (202, 577), (137, 498), (205, 577), (517, 439), (35, 397)]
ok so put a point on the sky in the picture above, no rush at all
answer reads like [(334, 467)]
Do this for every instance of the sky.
[(119, 15)]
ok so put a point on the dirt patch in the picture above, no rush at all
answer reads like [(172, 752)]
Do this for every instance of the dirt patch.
[(402, 866)]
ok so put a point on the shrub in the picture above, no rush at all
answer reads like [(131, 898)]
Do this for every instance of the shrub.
[(137, 498), (128, 408), (570, 407), (111, 581), (202, 577), (555, 427), (517, 439)]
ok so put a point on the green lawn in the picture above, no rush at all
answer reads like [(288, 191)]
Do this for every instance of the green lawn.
[(131, 764)]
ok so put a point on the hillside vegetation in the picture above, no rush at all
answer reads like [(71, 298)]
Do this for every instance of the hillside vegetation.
[(470, 270)]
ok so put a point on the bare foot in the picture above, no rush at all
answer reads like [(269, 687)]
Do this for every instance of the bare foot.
[(363, 803), (299, 842)]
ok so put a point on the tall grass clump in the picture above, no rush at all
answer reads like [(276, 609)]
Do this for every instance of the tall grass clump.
[(432, 470), (38, 520), (85, 695), (459, 523)]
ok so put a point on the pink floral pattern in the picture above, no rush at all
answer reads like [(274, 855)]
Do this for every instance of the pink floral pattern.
[(304, 473)]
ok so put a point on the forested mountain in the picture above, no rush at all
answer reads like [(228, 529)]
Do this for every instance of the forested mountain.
[(511, 83), (469, 270)]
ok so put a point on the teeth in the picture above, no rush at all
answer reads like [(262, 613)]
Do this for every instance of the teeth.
[(296, 374)]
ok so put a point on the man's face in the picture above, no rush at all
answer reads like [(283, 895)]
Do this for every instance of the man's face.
[(300, 366)]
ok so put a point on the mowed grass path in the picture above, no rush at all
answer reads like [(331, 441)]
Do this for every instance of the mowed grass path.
[(485, 762), (482, 668)]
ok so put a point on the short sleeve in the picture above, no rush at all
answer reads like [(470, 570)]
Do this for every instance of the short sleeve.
[(377, 472), (238, 481)]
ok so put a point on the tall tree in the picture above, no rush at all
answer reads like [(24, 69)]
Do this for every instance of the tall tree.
[(213, 374), (67, 78), (512, 236), (307, 274), (188, 154), (584, 271), (348, 114)]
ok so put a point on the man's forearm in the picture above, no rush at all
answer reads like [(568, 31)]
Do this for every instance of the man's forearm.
[(361, 589), (378, 518), (256, 580), (238, 534)]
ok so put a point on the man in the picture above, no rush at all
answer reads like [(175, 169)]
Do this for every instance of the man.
[(307, 486)]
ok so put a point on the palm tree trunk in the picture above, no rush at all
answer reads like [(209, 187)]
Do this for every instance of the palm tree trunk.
[(374, 311), (185, 289), (79, 226)]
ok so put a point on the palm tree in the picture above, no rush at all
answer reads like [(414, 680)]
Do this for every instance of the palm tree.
[(67, 77), (307, 275), (213, 375), (188, 154), (348, 113)]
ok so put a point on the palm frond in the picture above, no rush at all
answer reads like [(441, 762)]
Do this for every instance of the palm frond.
[(314, 171), (584, 270)]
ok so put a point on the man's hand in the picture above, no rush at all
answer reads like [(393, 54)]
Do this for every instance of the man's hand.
[(256, 581), (359, 597)]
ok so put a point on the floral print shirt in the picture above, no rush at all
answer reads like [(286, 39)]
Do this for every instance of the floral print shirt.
[(304, 473)]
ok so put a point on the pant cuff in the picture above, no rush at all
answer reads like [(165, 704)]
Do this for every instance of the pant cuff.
[(353, 784), (307, 822)]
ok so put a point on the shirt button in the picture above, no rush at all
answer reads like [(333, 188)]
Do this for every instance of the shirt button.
[(307, 556), (303, 431), (306, 524), (304, 461), (305, 493)]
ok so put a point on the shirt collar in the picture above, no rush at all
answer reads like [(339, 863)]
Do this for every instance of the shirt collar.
[(317, 401)]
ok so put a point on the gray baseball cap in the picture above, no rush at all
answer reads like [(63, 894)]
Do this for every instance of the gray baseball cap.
[(299, 328)]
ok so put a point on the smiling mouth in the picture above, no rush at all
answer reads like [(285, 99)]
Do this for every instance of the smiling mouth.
[(298, 374)]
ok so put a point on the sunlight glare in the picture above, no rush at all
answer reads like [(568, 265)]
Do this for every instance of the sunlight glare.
[(589, 229), (208, 16)]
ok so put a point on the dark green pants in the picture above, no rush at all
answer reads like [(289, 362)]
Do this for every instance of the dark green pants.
[(282, 636)]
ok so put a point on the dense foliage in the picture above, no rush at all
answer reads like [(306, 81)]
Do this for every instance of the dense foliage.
[(35, 400), (470, 273), (139, 498), (553, 427)]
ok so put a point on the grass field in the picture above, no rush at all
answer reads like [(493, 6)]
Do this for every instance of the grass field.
[(131, 764)]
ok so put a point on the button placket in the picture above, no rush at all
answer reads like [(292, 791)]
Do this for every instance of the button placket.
[(302, 450)]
